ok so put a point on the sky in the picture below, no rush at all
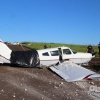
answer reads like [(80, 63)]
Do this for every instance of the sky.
[(53, 21)]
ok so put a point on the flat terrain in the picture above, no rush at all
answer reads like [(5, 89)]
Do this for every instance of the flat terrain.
[(42, 84)]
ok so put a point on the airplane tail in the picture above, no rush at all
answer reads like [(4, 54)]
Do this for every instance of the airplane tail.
[(5, 53)]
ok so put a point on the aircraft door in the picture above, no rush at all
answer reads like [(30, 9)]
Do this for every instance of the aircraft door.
[(60, 54)]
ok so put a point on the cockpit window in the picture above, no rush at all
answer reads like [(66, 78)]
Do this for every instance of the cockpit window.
[(45, 54), (66, 51), (54, 53)]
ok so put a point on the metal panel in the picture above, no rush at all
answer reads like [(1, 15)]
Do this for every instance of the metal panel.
[(72, 72)]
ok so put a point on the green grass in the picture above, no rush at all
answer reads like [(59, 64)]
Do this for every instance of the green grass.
[(40, 45)]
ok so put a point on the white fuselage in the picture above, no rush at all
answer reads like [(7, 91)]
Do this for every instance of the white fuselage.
[(51, 56)]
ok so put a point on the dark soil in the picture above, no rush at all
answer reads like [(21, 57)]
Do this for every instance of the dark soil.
[(94, 64)]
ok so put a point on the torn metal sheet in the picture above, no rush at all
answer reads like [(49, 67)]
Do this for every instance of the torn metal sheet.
[(73, 72)]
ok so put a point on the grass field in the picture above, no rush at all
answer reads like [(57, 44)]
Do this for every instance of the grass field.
[(76, 47)]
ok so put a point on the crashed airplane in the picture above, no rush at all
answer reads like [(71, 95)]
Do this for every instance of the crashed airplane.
[(51, 56), (61, 60)]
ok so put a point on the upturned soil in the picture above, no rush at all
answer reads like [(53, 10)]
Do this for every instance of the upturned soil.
[(42, 84)]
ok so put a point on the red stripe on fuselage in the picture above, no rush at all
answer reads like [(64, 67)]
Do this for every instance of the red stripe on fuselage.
[(4, 57)]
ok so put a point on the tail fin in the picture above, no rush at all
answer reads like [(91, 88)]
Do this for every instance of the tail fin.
[(5, 52)]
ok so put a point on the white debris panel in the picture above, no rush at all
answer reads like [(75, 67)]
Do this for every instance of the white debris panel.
[(73, 72)]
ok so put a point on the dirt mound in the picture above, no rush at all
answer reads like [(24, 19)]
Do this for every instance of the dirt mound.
[(95, 64)]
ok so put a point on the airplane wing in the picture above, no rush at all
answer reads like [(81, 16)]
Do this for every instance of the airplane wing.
[(73, 72)]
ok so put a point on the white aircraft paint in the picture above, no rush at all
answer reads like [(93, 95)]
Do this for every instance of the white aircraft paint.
[(51, 56), (73, 72), (4, 53)]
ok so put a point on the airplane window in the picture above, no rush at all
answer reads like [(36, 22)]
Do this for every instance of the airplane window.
[(45, 54), (54, 53), (66, 51)]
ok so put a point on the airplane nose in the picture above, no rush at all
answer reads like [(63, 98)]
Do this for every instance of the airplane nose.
[(92, 56), (89, 55)]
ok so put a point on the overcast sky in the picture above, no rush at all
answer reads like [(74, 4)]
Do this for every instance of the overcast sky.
[(57, 21)]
